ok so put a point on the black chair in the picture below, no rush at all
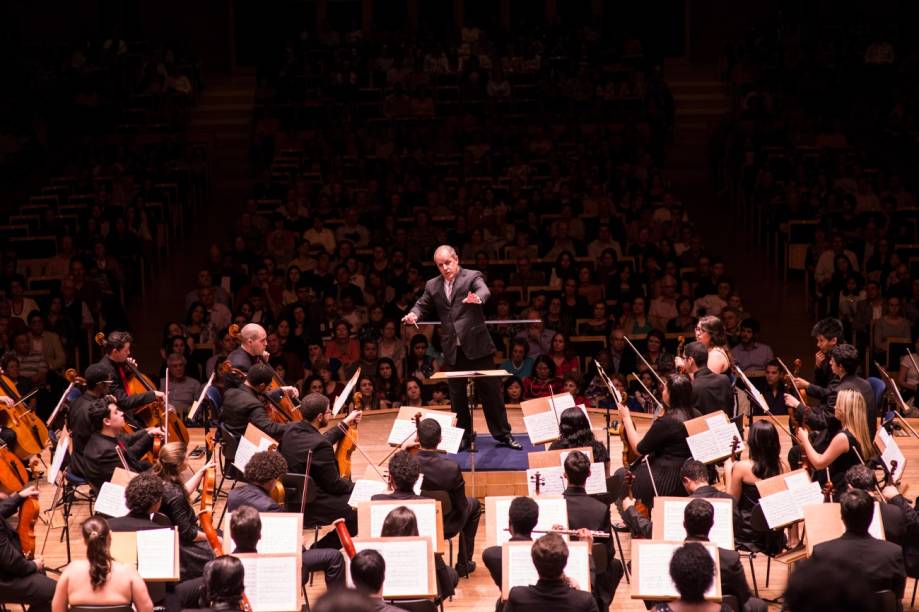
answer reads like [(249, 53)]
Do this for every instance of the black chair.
[(446, 507), (230, 443), (731, 602), (415, 605), (773, 544), (888, 601)]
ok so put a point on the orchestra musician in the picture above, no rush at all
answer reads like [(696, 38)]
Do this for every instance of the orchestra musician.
[(143, 496), (442, 474), (553, 590), (522, 517), (22, 581), (368, 572), (99, 458), (861, 477), (224, 579), (402, 522), (333, 491), (97, 387), (261, 474), (711, 391), (246, 404), (456, 297), (664, 443), (117, 347), (827, 333)]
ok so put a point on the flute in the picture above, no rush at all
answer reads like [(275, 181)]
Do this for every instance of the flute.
[(572, 532)]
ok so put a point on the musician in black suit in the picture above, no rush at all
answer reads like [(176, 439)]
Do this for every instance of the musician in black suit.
[(880, 562), (143, 496), (368, 572), (246, 404), (441, 474), (710, 391), (252, 349), (828, 333), (333, 491), (97, 387), (694, 476), (698, 518), (456, 297), (522, 517), (911, 520), (21, 580), (862, 478), (117, 349), (99, 458), (404, 471), (551, 591), (586, 512)]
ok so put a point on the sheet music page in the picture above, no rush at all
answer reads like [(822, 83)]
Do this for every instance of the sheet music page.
[(425, 514), (500, 522), (541, 427), (450, 439), (704, 446), (444, 418), (345, 395), (60, 453), (552, 511), (724, 435), (401, 431), (578, 566), (891, 452), (365, 489), (156, 553), (411, 559), (810, 494), (561, 402), (271, 582), (717, 420), (280, 534), (875, 529), (654, 569), (797, 480), (781, 509), (522, 572), (110, 500), (596, 482), (244, 453), (553, 481), (722, 532)]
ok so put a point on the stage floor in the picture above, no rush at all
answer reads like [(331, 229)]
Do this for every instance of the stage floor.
[(478, 593)]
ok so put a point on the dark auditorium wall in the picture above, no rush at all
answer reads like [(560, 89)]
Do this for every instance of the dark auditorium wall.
[(711, 22), (202, 26)]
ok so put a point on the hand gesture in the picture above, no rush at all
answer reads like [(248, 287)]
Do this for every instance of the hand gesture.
[(801, 383), (472, 298), (354, 417), (291, 391), (6, 400), (410, 319), (889, 492), (159, 395), (791, 401)]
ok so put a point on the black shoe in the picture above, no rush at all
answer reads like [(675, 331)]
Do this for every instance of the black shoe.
[(511, 443), (464, 569)]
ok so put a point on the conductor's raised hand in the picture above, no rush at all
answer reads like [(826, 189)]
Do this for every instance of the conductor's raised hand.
[(410, 319), (472, 298)]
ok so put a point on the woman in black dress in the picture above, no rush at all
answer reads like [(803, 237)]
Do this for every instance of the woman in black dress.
[(576, 433), (664, 444)]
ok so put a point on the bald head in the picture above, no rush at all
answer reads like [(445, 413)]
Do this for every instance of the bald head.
[(253, 339)]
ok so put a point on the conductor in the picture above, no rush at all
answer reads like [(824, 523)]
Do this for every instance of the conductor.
[(457, 296)]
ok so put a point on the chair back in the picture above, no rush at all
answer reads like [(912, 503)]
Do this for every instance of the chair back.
[(731, 602), (118, 608), (230, 442), (293, 490), (600, 553), (878, 387), (446, 504), (415, 605), (887, 600), (773, 539)]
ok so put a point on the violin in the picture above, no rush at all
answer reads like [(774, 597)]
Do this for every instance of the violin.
[(31, 432), (208, 499), (347, 444), (640, 506), (285, 404), (827, 492)]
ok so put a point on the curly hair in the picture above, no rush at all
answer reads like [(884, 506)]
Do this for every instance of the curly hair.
[(143, 491), (265, 466)]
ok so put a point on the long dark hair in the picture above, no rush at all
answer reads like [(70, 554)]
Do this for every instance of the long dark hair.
[(223, 581), (400, 521), (575, 429), (763, 441), (96, 536), (679, 388)]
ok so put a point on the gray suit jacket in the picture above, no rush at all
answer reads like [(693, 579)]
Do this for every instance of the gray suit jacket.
[(458, 320)]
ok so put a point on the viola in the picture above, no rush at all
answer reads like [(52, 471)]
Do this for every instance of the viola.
[(538, 481), (205, 518), (347, 444), (31, 432)]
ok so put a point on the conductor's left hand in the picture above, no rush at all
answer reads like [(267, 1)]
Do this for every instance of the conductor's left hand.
[(471, 298)]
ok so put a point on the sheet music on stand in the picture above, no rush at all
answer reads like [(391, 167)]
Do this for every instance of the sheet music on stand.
[(651, 570), (518, 568), (272, 581), (60, 453), (253, 441), (783, 497), (345, 394), (282, 533), (711, 437), (553, 510), (541, 416), (110, 501), (890, 452), (414, 558), (667, 520)]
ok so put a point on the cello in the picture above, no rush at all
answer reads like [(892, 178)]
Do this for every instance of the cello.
[(272, 408), (31, 432)]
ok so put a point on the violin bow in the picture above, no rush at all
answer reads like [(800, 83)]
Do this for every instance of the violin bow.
[(306, 480), (346, 430), (660, 404), (660, 380), (891, 384)]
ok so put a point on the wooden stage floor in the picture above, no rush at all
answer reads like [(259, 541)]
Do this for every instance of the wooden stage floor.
[(478, 592)]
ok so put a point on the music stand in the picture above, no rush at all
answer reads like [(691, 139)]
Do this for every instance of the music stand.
[(470, 376)]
